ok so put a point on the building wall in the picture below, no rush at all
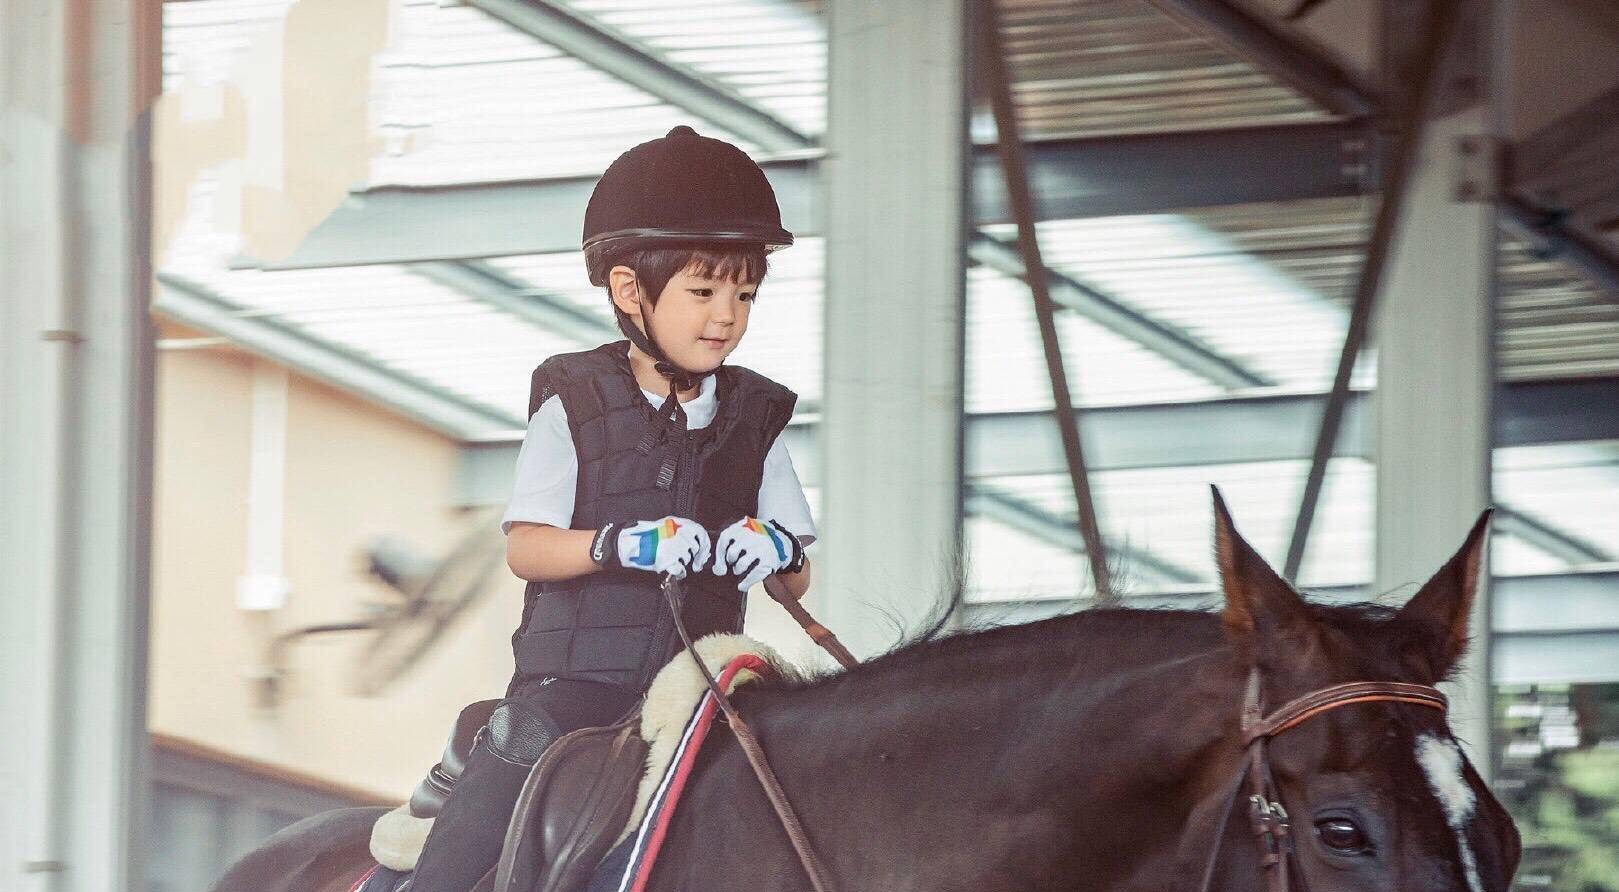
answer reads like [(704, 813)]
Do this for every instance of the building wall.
[(352, 472)]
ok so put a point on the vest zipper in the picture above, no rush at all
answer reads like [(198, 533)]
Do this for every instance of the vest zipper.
[(685, 496)]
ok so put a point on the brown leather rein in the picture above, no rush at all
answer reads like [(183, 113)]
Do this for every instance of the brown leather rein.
[(1273, 832), (753, 751)]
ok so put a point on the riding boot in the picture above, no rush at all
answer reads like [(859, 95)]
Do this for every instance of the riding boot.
[(466, 838)]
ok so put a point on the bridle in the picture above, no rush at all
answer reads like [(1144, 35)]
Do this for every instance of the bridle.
[(1273, 834)]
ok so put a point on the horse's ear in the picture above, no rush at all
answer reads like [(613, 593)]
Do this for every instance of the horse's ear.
[(1438, 613), (1260, 606)]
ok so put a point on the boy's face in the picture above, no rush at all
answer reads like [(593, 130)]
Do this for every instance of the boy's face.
[(698, 320)]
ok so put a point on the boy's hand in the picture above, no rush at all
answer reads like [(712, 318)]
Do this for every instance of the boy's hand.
[(754, 549), (673, 545)]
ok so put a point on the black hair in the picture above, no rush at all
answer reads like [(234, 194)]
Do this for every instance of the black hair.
[(654, 267)]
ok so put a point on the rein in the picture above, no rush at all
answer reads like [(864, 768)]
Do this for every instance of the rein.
[(753, 751), (1273, 832)]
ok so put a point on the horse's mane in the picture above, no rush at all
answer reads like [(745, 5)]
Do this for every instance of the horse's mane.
[(1166, 632)]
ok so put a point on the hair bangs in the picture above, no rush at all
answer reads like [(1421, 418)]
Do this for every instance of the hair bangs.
[(747, 265), (654, 267)]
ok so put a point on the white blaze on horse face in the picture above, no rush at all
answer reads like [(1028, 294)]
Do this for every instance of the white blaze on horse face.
[(1441, 761)]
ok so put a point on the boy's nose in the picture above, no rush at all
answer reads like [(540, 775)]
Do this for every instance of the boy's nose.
[(724, 311)]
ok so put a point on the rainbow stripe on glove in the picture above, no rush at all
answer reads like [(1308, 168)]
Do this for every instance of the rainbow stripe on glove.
[(647, 541), (752, 523)]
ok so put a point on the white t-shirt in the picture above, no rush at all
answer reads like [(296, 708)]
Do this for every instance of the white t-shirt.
[(548, 470)]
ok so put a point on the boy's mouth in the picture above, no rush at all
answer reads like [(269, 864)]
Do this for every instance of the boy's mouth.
[(713, 342)]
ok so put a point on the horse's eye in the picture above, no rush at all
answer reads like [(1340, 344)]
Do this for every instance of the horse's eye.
[(1342, 836)]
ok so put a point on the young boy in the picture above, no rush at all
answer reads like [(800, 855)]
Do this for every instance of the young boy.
[(641, 459)]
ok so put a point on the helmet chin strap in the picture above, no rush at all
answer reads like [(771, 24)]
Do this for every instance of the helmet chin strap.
[(672, 413)]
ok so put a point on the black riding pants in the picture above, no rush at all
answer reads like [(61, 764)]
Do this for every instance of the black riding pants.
[(466, 838)]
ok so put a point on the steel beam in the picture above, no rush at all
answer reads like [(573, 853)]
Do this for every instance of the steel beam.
[(890, 433), (1222, 431), (471, 221), (1032, 520), (76, 441), (594, 43), (1331, 86), (1549, 539), (486, 283), (1439, 33), (1014, 168), (1155, 173), (1555, 236), (196, 306), (554, 314), (1436, 330), (1071, 179)]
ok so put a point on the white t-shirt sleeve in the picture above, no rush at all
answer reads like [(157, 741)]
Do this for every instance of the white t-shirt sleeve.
[(781, 496), (547, 471)]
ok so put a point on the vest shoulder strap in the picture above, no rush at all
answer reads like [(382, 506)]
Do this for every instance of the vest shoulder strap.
[(556, 373), (768, 404)]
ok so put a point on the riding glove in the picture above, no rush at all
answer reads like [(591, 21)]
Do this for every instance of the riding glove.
[(672, 545), (754, 549)]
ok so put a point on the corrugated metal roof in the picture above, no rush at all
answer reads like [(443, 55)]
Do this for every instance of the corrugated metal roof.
[(1120, 66), (462, 97), (388, 314), (1181, 271), (1554, 323), (770, 52)]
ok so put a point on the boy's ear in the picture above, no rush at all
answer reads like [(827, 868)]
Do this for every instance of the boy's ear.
[(625, 289), (1436, 618), (1261, 610)]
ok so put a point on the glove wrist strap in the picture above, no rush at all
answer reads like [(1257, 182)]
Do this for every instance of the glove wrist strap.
[(795, 563), (604, 546)]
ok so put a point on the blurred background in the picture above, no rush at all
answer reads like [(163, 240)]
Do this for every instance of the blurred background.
[(276, 274)]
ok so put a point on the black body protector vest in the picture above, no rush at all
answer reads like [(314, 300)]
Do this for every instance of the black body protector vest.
[(613, 626)]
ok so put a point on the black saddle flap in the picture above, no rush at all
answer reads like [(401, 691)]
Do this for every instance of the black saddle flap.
[(572, 807)]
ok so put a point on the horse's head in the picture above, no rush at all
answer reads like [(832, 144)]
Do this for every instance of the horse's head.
[(1380, 795)]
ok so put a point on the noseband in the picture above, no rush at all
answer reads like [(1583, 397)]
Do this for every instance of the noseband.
[(1267, 817)]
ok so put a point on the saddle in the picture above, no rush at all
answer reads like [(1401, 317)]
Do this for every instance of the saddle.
[(586, 793), (571, 810)]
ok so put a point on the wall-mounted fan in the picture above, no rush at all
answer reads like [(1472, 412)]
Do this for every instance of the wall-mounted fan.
[(432, 594)]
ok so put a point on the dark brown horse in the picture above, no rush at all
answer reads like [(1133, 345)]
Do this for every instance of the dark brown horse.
[(1086, 752)]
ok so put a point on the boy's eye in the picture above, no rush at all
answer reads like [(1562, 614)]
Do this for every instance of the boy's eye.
[(703, 292), (749, 296)]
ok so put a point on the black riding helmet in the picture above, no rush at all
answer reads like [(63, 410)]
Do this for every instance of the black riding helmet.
[(679, 190)]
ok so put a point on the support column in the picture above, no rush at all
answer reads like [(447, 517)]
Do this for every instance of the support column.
[(895, 176), (75, 438), (1436, 372)]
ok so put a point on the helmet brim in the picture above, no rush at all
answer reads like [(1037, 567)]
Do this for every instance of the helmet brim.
[(773, 239)]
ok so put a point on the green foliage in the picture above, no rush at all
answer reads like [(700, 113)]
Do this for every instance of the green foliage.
[(1566, 803)]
